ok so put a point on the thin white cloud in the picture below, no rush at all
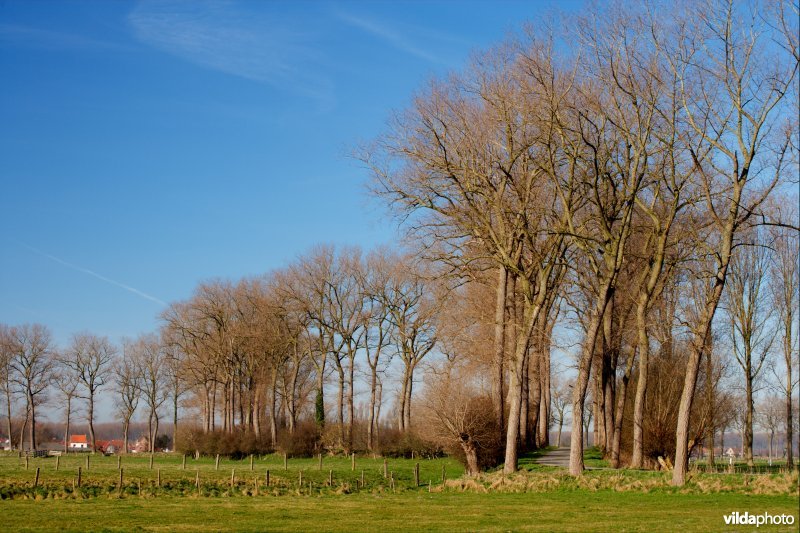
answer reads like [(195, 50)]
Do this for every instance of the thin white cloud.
[(218, 36), (391, 36), (98, 276), (37, 37)]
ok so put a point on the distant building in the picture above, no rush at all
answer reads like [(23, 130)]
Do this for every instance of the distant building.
[(110, 446), (5, 444), (78, 442)]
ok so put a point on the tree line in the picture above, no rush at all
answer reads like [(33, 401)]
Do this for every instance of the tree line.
[(620, 192)]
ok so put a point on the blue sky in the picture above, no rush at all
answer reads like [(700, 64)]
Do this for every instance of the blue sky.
[(145, 147)]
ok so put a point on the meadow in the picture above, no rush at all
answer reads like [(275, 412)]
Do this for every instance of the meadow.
[(304, 496)]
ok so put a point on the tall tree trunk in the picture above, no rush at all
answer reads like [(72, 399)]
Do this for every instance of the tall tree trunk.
[(32, 428), (66, 426), (350, 405), (498, 381), (373, 385), (789, 417), (582, 381), (8, 412), (126, 422), (273, 408), (620, 411), (91, 421), (342, 436), (515, 391), (748, 415)]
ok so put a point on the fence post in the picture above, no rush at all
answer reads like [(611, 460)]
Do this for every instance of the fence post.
[(79, 477), (300, 485), (233, 477), (197, 480), (416, 475), (183, 463), (158, 477), (87, 463), (285, 461), (119, 487), (119, 462), (151, 460), (385, 468), (36, 480), (267, 477), (444, 475), (251, 462), (330, 478), (57, 461), (362, 479), (319, 461), (353, 461), (391, 480), (26, 462), (216, 463)]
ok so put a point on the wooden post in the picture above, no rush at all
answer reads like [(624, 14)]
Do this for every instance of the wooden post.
[(385, 468), (251, 462), (255, 486), (267, 477), (362, 479), (197, 480), (119, 462), (87, 462), (301, 479), (158, 477), (151, 460), (26, 462), (36, 480), (285, 461), (444, 475), (183, 463), (319, 467), (233, 477), (430, 483), (330, 478), (391, 480), (216, 463), (119, 487), (353, 461), (79, 477), (57, 461), (416, 475)]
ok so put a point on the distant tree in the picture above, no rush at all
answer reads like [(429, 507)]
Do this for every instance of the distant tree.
[(65, 381), (6, 357), (128, 387), (152, 364), (32, 363), (560, 397), (90, 358), (750, 316)]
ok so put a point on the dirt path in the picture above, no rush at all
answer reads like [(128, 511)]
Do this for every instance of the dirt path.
[(557, 457)]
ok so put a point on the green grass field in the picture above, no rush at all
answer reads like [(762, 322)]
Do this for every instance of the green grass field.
[(538, 499)]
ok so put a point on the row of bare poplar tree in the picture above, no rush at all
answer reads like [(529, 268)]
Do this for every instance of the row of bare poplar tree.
[(616, 181), (621, 162)]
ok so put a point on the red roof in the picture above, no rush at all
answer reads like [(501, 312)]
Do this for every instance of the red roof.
[(78, 439)]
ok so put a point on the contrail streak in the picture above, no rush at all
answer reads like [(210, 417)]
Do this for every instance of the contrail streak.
[(98, 276)]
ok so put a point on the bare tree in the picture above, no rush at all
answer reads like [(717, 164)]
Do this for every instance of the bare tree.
[(750, 319), (152, 364), (66, 382), (770, 418), (128, 385), (90, 357), (32, 364), (455, 414), (785, 286), (733, 80), (562, 392), (6, 358)]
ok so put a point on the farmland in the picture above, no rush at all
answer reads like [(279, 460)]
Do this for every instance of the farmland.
[(166, 497)]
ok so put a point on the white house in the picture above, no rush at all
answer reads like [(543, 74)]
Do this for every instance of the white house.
[(78, 442)]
